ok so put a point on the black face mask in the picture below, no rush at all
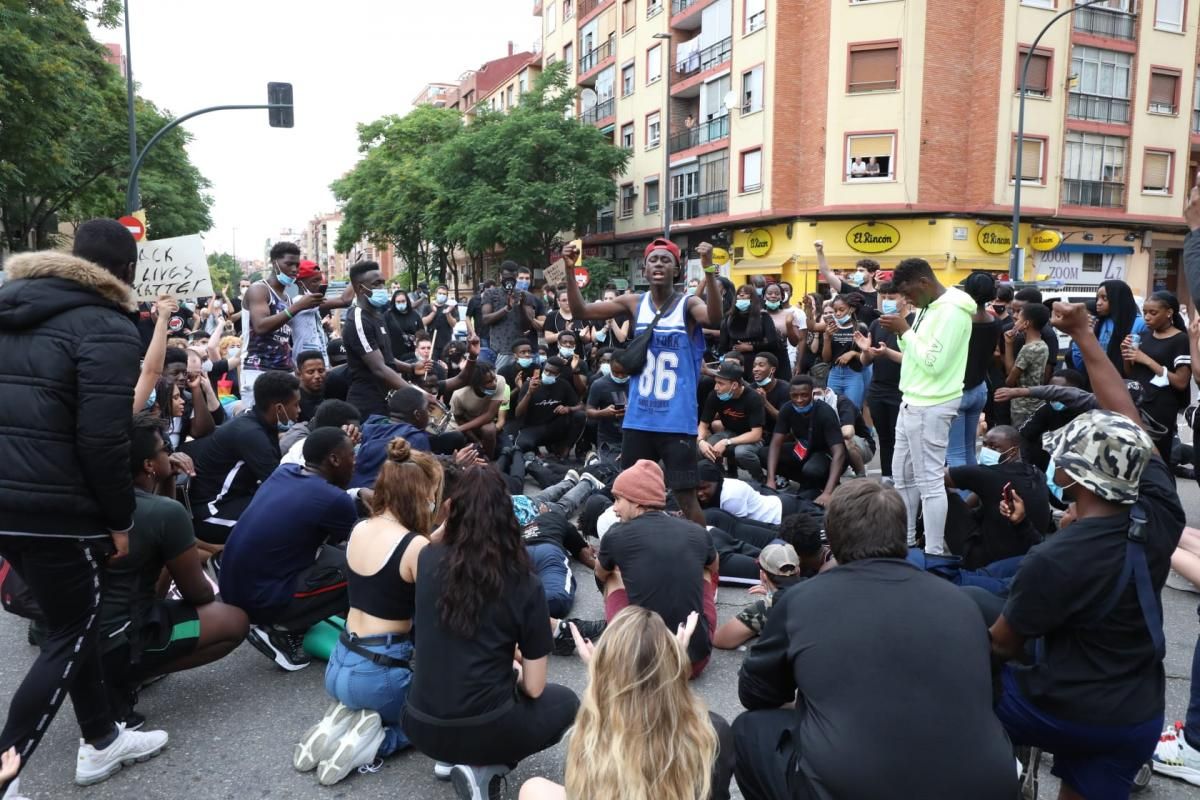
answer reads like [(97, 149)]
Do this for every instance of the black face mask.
[(509, 284), (999, 308)]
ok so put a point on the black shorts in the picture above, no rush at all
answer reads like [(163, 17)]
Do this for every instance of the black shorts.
[(170, 630), (676, 452)]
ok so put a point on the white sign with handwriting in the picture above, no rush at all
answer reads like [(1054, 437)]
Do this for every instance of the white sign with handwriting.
[(174, 266)]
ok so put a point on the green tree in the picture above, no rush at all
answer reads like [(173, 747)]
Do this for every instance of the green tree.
[(64, 152), (224, 270)]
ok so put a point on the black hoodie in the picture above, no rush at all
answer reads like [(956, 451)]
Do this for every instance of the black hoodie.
[(68, 363)]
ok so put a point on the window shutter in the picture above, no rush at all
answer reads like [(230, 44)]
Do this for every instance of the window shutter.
[(1031, 160), (872, 70), (1038, 79), (867, 146), (1157, 172), (1162, 89)]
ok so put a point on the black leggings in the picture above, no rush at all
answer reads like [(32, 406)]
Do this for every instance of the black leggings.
[(738, 559), (529, 726), (759, 534), (885, 415), (64, 576)]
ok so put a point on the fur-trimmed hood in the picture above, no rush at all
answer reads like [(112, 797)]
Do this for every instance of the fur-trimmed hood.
[(42, 285)]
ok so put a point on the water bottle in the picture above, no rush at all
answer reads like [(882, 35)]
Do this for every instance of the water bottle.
[(1135, 341)]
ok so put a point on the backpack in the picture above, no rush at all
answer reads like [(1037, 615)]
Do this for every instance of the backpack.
[(15, 595)]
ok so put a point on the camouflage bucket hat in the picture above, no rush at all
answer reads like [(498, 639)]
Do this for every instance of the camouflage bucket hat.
[(1104, 452)]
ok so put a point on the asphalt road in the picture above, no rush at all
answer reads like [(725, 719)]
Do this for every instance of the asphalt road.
[(233, 723)]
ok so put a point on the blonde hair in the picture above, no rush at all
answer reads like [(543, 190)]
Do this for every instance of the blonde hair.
[(226, 343), (409, 482), (640, 733)]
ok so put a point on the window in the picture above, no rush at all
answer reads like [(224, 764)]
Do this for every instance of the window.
[(873, 68), (523, 83), (756, 15), (1101, 85), (653, 7), (1094, 170), (627, 136), (569, 56), (510, 96), (628, 14), (628, 79), (654, 63), (627, 198), (752, 90), (568, 10), (551, 18), (1156, 172), (653, 130), (1037, 80), (1093, 262), (1031, 161), (1038, 3), (1164, 92), (1196, 103), (871, 157), (1168, 15), (651, 196), (751, 170)]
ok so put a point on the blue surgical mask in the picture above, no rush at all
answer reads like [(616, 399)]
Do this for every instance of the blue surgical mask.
[(489, 392), (692, 289), (857, 279), (890, 306), (566, 352), (725, 396), (402, 307), (623, 379), (772, 305), (522, 284), (379, 298), (989, 457), (548, 379), (742, 304), (541, 358), (283, 425), (234, 352), (286, 280), (601, 334), (152, 399), (440, 298), (526, 362), (1054, 488), (1057, 406), (799, 409), (842, 320), (765, 380), (760, 290), (606, 369)]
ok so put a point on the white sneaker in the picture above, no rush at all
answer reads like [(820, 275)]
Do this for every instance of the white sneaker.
[(478, 783), (1175, 757), (356, 747), (319, 742), (571, 476), (441, 770), (129, 747), (13, 792)]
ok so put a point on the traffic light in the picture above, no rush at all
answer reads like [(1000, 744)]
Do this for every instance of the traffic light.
[(280, 94)]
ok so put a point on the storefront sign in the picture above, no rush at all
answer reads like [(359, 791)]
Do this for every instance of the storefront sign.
[(877, 238), (1090, 269), (759, 242), (720, 256), (994, 238), (1045, 240)]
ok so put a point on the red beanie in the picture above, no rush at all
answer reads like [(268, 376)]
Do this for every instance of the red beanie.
[(642, 484), (665, 244)]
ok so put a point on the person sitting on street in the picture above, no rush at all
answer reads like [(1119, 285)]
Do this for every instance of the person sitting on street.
[(1064, 398), (740, 499), (575, 366), (778, 568), (606, 401), (549, 410), (408, 415), (552, 539), (310, 370), (330, 414), (479, 409), (856, 434), (774, 392), (907, 634), (815, 454), (741, 414), (142, 636), (282, 564)]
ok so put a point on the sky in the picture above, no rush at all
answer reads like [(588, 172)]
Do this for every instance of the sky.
[(350, 61)]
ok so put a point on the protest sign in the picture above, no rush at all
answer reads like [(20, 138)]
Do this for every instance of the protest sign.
[(556, 273), (175, 266)]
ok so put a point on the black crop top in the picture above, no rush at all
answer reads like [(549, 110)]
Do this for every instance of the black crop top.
[(385, 594)]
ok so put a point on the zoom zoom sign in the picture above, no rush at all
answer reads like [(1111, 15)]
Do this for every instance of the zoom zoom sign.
[(1085, 268)]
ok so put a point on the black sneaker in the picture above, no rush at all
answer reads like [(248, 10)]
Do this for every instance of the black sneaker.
[(285, 649), (564, 642)]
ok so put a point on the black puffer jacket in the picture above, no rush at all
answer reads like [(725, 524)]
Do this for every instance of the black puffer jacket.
[(68, 363)]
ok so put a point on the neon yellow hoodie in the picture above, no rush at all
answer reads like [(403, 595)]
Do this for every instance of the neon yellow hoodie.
[(935, 350)]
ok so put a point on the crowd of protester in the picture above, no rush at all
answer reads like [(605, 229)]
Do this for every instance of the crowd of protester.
[(419, 481)]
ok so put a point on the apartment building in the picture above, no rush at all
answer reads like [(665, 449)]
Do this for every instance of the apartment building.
[(887, 128), (497, 84)]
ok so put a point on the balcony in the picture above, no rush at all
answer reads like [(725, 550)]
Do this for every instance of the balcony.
[(1114, 110), (701, 205), (679, 6), (712, 131), (711, 56), (1105, 22), (598, 112), (605, 222), (586, 7), (596, 57), (1097, 194)]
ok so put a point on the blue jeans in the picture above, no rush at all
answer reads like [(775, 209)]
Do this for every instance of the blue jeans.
[(846, 382), (553, 568), (359, 683), (1191, 725), (960, 451)]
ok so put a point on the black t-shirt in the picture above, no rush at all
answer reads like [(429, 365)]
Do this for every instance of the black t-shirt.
[(553, 527), (475, 314), (539, 310), (843, 342), (603, 337), (1096, 671), (365, 332), (603, 393), (885, 373), (1162, 402), (849, 414), (777, 396), (851, 647), (819, 429), (662, 561), (402, 330), (457, 677), (981, 349), (442, 327), (337, 382), (739, 414), (556, 322), (540, 410), (1002, 539), (308, 404)]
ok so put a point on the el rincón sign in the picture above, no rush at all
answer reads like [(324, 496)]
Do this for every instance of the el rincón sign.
[(994, 238), (872, 238)]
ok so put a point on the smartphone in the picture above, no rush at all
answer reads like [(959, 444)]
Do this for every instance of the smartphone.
[(619, 406), (1007, 493), (322, 289)]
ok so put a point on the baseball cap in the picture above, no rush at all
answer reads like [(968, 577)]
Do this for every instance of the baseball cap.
[(730, 371), (1104, 452), (307, 270), (779, 559), (665, 244)]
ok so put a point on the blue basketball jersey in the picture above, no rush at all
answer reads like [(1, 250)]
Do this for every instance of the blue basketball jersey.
[(663, 398)]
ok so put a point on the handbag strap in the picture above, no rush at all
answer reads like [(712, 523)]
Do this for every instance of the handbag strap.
[(667, 306)]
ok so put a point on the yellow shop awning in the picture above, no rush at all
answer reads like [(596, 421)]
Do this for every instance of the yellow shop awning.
[(761, 266)]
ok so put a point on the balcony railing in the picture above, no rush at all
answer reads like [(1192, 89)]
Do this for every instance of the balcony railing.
[(1104, 22), (1098, 194), (704, 59), (605, 222), (679, 6), (598, 112), (701, 205), (1097, 108), (711, 131), (593, 58)]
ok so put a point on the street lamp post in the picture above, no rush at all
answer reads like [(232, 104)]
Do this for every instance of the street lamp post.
[(133, 151), (1018, 258), (664, 136)]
